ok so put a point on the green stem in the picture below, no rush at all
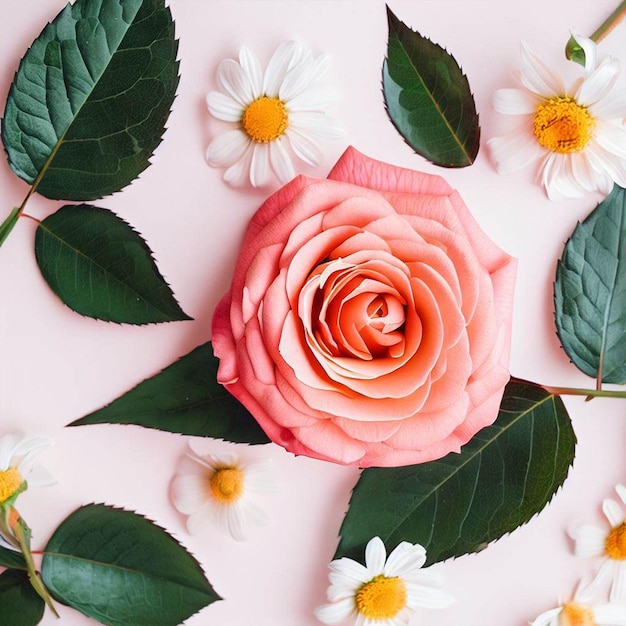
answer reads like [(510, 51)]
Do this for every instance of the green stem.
[(33, 575), (589, 393), (610, 23)]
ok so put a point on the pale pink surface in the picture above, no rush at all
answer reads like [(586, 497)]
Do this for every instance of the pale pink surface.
[(57, 366), (295, 337)]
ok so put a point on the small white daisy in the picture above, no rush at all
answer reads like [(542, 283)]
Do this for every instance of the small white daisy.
[(579, 612), (282, 107), (576, 135), (217, 491), (385, 590), (591, 540)]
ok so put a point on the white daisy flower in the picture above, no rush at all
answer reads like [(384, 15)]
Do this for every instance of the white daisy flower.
[(217, 490), (591, 540), (272, 110), (384, 591), (579, 612), (576, 135)]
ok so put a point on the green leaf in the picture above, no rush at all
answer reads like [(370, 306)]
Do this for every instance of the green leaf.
[(119, 568), (590, 292), (11, 558), (506, 474), (574, 52), (7, 226), (90, 99), (184, 398), (20, 605), (428, 98), (100, 267)]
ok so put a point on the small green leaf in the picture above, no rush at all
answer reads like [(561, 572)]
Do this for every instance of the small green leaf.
[(184, 398), (506, 474), (574, 52), (119, 568), (428, 98), (20, 605), (11, 558), (100, 267), (90, 99), (590, 292), (7, 226)]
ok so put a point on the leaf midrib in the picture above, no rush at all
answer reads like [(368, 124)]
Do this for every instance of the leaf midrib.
[(435, 103)]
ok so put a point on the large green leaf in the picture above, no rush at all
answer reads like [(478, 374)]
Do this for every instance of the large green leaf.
[(428, 98), (506, 474), (100, 267), (90, 99), (20, 605), (184, 398), (120, 568), (590, 292), (11, 558)]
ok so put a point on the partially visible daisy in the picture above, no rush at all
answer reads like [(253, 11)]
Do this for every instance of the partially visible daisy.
[(579, 612), (217, 490), (282, 107), (576, 135), (384, 591), (591, 540)]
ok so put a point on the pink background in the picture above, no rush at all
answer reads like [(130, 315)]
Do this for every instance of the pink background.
[(57, 366)]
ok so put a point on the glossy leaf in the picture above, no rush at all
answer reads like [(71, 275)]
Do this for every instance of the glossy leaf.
[(119, 568), (8, 224), (184, 398), (20, 605), (428, 98), (505, 475), (590, 292), (11, 558), (100, 267), (90, 99)]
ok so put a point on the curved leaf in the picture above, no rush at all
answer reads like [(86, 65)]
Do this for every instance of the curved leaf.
[(506, 474), (184, 398), (590, 292), (100, 267), (90, 99), (20, 605), (12, 559), (119, 568), (428, 98)]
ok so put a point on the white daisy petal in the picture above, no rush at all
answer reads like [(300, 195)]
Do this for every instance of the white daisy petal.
[(621, 492), (280, 162), (613, 512), (311, 99), (251, 66), (610, 108), (591, 52), (419, 596), (610, 615), (224, 107), (227, 149), (404, 559), (335, 612), (278, 67), (537, 77), (351, 569), (548, 618), (316, 123), (235, 521), (618, 587), (612, 138), (557, 179), (188, 493), (40, 477), (237, 173), (235, 81), (515, 102), (260, 165), (583, 171), (599, 83), (302, 75), (606, 163), (7, 443), (304, 147), (514, 151), (375, 555)]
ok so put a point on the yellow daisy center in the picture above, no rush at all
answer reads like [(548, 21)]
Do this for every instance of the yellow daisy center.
[(615, 545), (265, 119), (227, 484), (10, 481), (574, 614), (562, 125), (381, 598)]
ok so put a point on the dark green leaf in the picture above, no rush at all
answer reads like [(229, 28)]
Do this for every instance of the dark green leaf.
[(119, 568), (90, 99), (184, 398), (7, 226), (20, 605), (11, 558), (428, 98), (506, 474), (590, 292), (100, 267)]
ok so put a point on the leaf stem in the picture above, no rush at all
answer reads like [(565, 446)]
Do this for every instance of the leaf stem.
[(589, 393), (610, 23)]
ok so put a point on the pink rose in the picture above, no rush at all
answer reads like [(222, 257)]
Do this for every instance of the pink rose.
[(369, 317)]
